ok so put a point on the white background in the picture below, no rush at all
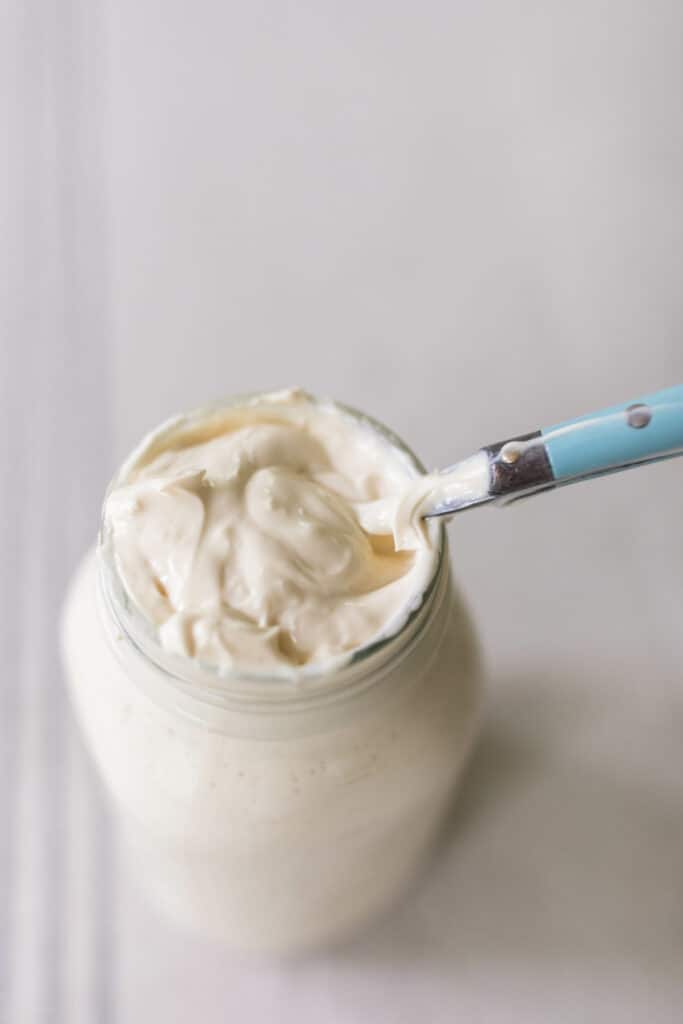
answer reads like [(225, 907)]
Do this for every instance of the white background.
[(466, 218)]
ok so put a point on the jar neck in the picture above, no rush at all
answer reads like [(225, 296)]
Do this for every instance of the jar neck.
[(240, 705)]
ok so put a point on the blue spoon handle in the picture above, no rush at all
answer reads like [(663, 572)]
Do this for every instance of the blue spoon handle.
[(648, 428), (644, 430)]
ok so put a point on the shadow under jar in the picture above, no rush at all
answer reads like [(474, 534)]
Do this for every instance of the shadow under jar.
[(275, 815)]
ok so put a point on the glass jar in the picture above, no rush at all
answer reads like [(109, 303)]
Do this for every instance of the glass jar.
[(276, 815)]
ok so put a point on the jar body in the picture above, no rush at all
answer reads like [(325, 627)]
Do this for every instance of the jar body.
[(287, 838)]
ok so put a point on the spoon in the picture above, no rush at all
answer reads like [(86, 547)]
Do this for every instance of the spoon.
[(648, 429)]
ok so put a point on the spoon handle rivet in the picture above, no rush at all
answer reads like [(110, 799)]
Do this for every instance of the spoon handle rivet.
[(510, 455), (638, 415)]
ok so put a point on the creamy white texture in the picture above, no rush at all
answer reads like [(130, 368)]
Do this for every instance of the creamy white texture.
[(238, 534), (402, 514)]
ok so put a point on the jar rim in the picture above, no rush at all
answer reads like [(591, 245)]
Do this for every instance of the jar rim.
[(222, 685)]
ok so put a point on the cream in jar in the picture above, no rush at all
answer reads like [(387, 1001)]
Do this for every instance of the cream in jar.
[(238, 535), (283, 743)]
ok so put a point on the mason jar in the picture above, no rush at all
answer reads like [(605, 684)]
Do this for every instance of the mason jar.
[(276, 815)]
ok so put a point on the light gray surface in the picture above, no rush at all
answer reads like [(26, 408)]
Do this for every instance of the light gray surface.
[(467, 219)]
